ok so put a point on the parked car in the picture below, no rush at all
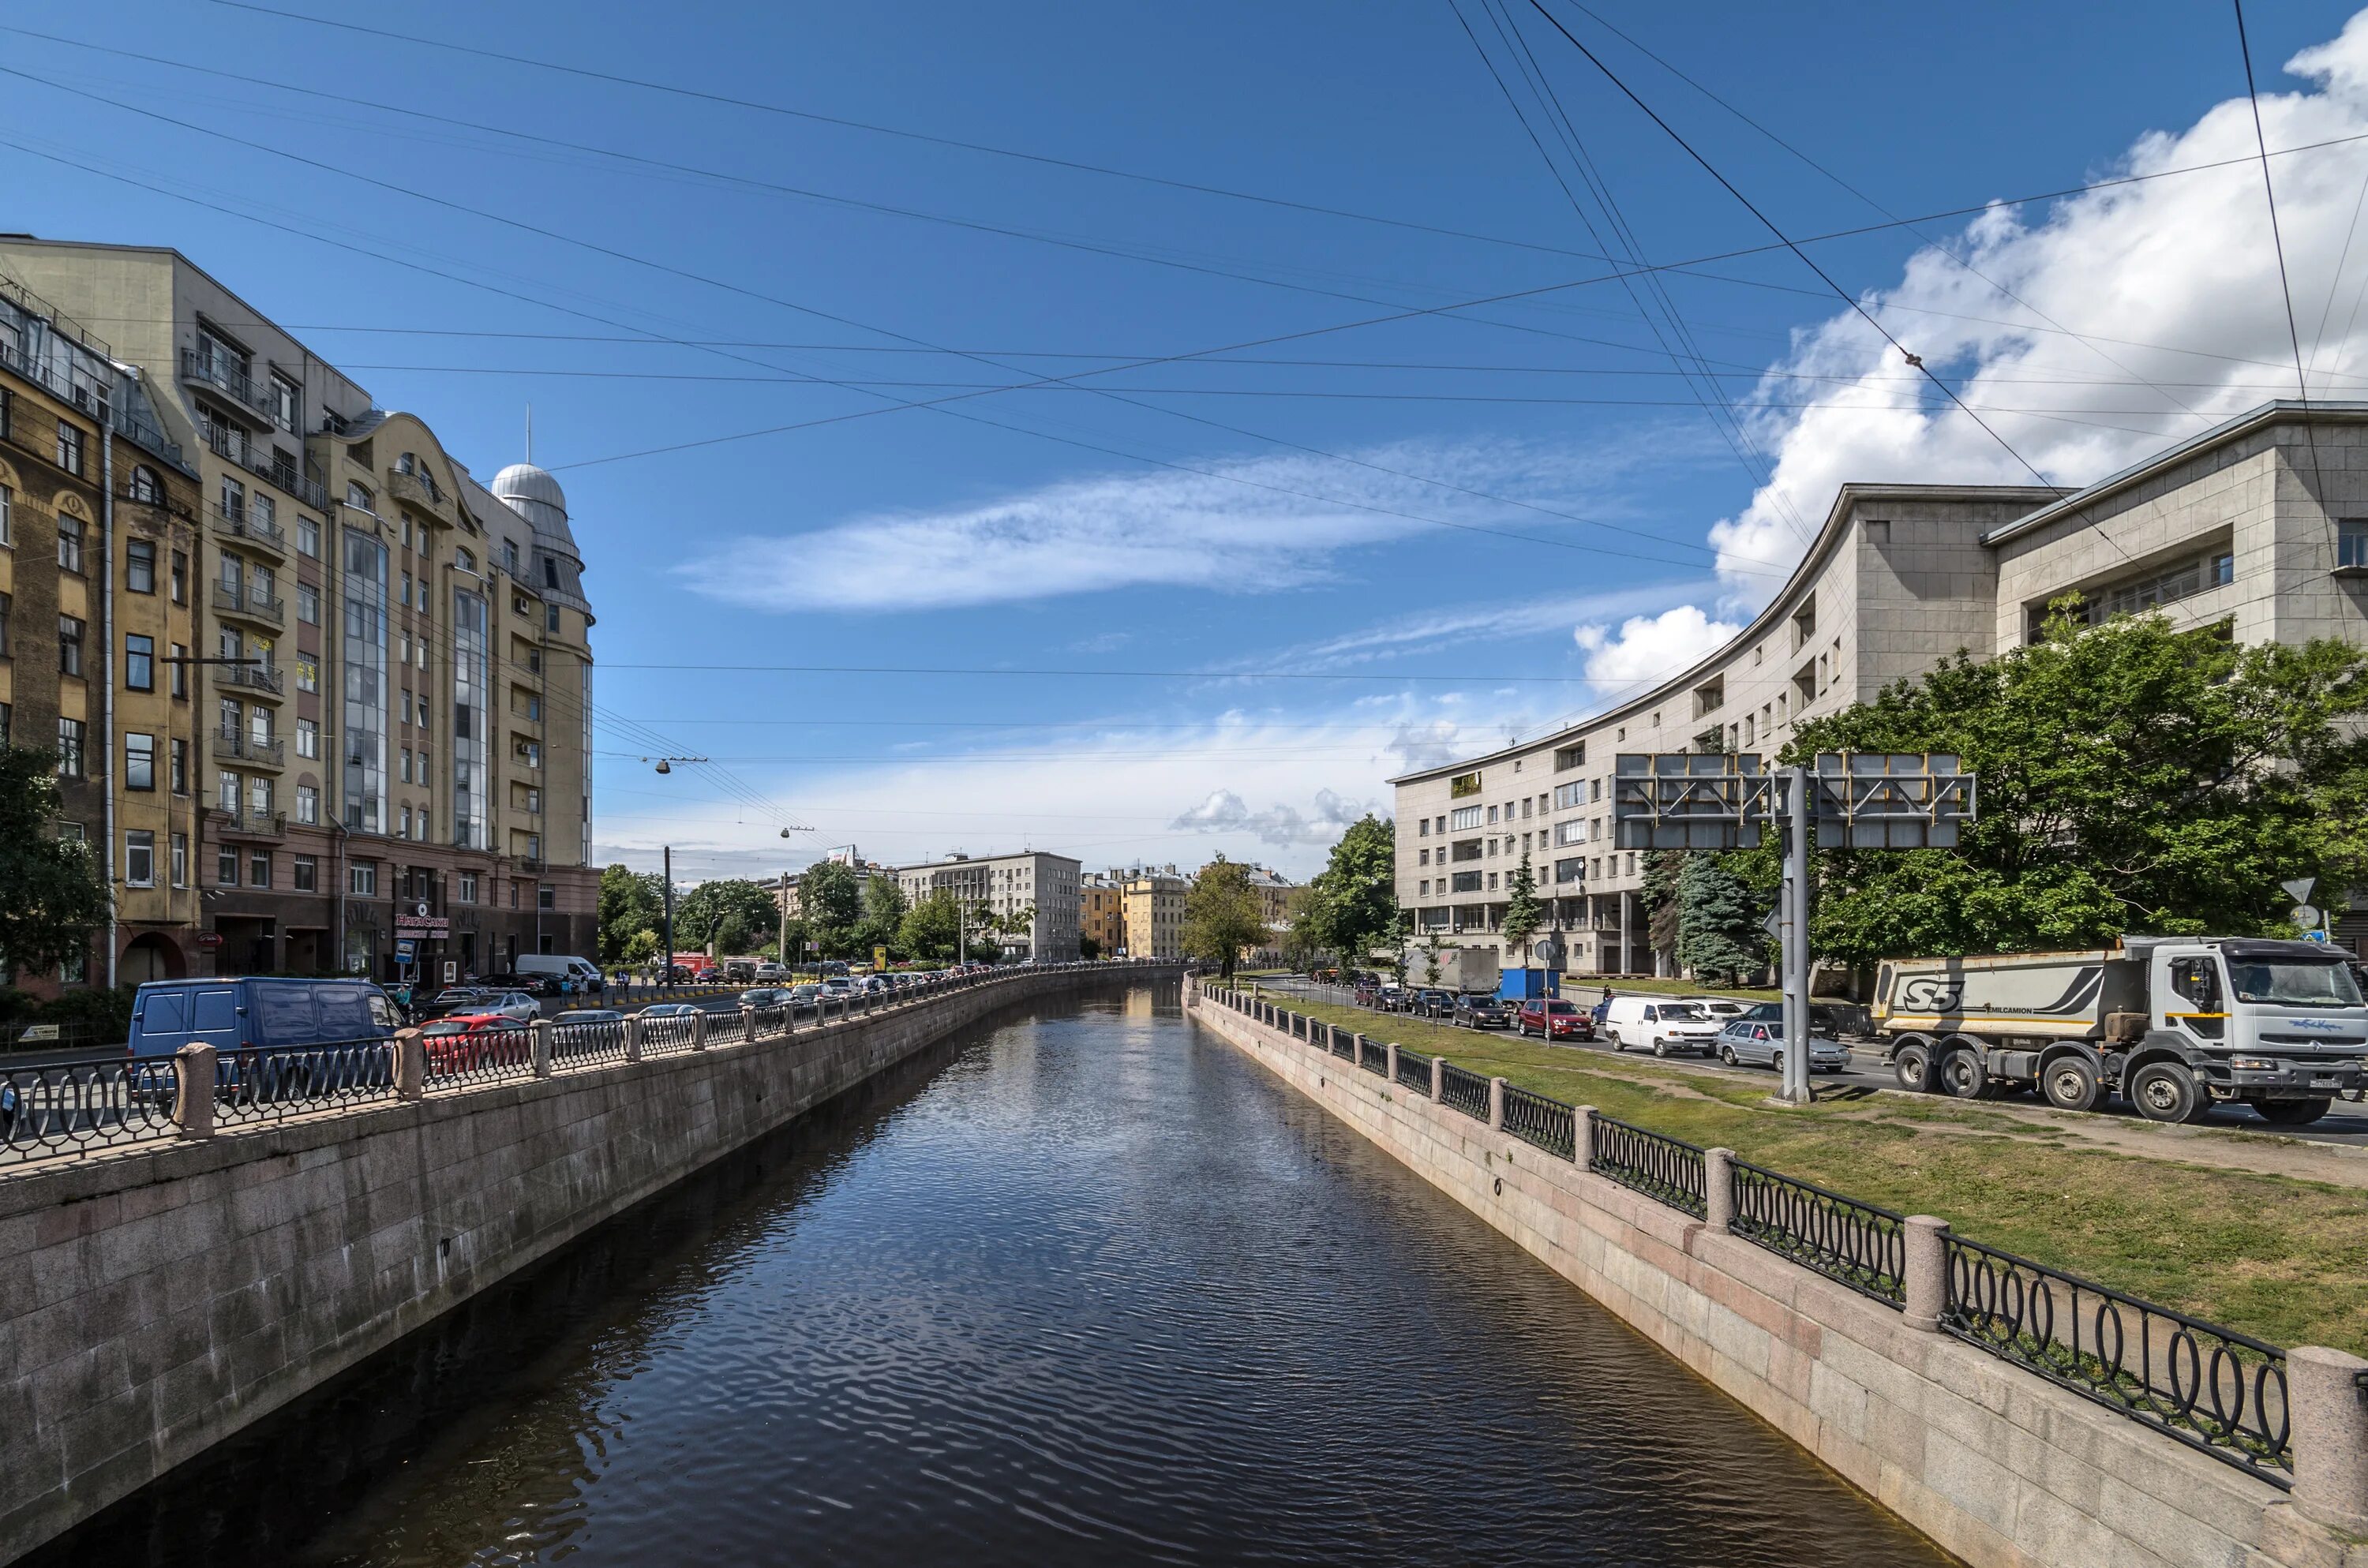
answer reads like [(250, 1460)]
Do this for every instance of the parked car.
[(1552, 1019), (532, 984), (765, 997), (1662, 1024), (468, 1041), (587, 1016), (773, 973), (1475, 1011), (234, 1012), (1757, 1040), (1720, 1009), (582, 975), (516, 1005), (452, 999), (1436, 1004), (804, 995), (671, 1010)]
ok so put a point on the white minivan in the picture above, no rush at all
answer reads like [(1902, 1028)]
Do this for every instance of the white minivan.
[(1663, 1024), (582, 973)]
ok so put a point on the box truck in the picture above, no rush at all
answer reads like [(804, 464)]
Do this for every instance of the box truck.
[(2174, 1024)]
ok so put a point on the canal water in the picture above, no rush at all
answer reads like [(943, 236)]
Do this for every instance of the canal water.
[(1084, 1285)]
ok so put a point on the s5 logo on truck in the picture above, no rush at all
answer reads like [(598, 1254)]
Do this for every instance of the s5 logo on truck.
[(1929, 995)]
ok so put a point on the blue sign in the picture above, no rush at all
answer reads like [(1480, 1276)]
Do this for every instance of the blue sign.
[(404, 952)]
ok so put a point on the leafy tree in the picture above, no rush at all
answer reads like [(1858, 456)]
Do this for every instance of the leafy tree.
[(1663, 868), (1719, 932), (929, 929), (1401, 932), (883, 915), (630, 902), (642, 947), (831, 898), (731, 914), (1431, 949), (57, 891), (1353, 904), (1089, 949), (1221, 916), (1302, 938), (1522, 916), (2133, 778)]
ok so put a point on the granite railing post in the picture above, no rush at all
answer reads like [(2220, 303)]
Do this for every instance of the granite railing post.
[(194, 1072), (1496, 1105), (1925, 1271), (410, 1065), (633, 1038), (539, 1032), (747, 1024), (699, 1030), (1582, 1138), (2327, 1402), (1357, 1048), (1438, 1079), (1718, 1190), (1389, 1067)]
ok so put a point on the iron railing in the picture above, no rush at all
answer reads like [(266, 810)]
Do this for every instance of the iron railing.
[(670, 1031), (1374, 1057), (1549, 1124), (1668, 1170), (268, 1082), (2216, 1390), (599, 1039), (1856, 1244), (768, 1022), (486, 1056), (81, 1107), (1461, 1089), (1414, 1069)]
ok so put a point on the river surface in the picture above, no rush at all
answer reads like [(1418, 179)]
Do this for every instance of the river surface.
[(1082, 1286)]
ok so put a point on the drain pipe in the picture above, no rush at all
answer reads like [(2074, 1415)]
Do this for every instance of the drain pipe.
[(106, 687)]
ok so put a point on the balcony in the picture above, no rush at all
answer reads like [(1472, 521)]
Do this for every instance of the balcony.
[(248, 824), (268, 462), (229, 381), (255, 680), (242, 523), (238, 745), (249, 607), (420, 491)]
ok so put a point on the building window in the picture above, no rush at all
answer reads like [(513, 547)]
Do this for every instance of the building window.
[(308, 737), (1462, 784), (308, 603), (7, 504), (180, 859), (139, 858), (180, 576), (226, 791), (180, 665), (551, 618), (140, 566), (285, 400), (70, 758), (308, 674), (180, 766), (468, 894), (361, 878), (305, 874), (359, 498), (308, 536), (1464, 817), (259, 869), (68, 545), (226, 867), (6, 602), (1804, 623), (544, 897), (139, 761), (70, 444), (140, 663), (308, 804)]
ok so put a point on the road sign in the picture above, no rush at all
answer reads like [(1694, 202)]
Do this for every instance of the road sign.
[(1682, 799), (404, 952), (2304, 915), (2318, 936), (2299, 888), (1721, 801), (209, 939), (1889, 800)]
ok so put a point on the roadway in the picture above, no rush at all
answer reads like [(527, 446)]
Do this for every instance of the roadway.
[(2346, 1124)]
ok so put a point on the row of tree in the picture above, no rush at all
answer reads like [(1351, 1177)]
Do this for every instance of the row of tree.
[(841, 916)]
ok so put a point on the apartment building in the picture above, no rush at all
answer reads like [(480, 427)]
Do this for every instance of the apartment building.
[(1101, 913), (97, 530), (393, 760), (2260, 524), (1041, 891), (1273, 890), (1153, 901)]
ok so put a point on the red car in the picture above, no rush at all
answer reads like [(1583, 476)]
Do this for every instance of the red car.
[(474, 1040), (1550, 1017)]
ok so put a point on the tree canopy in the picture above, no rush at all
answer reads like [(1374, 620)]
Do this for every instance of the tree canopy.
[(1522, 914), (733, 915), (1352, 904), (57, 891), (1221, 916), (629, 903)]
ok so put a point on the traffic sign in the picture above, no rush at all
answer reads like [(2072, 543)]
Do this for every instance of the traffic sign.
[(2299, 888), (2318, 936), (2304, 915)]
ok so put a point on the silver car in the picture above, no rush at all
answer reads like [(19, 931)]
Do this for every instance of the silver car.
[(1754, 1041), (512, 1004)]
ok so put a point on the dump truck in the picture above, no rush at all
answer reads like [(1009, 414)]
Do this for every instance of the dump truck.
[(1459, 969), (2175, 1025)]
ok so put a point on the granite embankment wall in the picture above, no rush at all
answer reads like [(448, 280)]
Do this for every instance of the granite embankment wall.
[(158, 1299), (1998, 1467)]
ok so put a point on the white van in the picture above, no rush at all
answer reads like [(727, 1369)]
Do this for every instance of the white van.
[(1665, 1024), (582, 973)]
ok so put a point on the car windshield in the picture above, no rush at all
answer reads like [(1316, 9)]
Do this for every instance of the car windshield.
[(2299, 985), (1682, 1012), (1561, 1006)]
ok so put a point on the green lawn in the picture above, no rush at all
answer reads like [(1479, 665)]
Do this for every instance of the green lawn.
[(2280, 1258)]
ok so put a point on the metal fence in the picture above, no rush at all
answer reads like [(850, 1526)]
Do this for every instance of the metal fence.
[(1373, 1057), (1461, 1089), (1668, 1170), (602, 1039), (1550, 1124), (669, 1032), (1414, 1069), (81, 1107), (268, 1082), (1857, 1243), (488, 1056), (2211, 1388)]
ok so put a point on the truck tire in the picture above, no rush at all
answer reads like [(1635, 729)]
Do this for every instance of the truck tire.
[(1912, 1064), (2070, 1083), (2167, 1091), (2292, 1113), (1964, 1071)]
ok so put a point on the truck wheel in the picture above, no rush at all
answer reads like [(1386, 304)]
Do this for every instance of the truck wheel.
[(2070, 1083), (1964, 1073), (1616, 1045), (2292, 1113), (1660, 1046), (2167, 1091), (1912, 1064)]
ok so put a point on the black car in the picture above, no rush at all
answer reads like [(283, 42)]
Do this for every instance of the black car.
[(1476, 1011), (1435, 1005)]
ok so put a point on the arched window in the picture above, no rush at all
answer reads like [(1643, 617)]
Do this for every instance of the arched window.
[(407, 463), (464, 561), (146, 487)]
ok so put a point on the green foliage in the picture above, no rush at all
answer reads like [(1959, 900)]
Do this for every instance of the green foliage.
[(642, 947), (829, 895), (2133, 778), (928, 929), (631, 903), (733, 914), (56, 889), (1663, 868), (1352, 904), (1522, 914), (1089, 949), (1431, 950), (1720, 936), (1300, 938), (884, 917), (1221, 916)]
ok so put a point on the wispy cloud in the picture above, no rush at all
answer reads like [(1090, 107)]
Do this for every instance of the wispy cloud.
[(1283, 826), (1500, 620)]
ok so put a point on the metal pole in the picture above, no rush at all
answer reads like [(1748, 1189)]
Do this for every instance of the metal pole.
[(1796, 942), (782, 944), (666, 960)]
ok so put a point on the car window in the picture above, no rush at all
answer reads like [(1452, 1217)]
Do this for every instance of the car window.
[(345, 1012), (281, 1015), (165, 1012)]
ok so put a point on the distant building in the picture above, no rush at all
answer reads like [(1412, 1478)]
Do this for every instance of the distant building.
[(1044, 887), (784, 888), (1152, 906), (1101, 912), (1274, 890)]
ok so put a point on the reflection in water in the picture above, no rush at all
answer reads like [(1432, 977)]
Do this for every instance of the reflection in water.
[(1088, 1288)]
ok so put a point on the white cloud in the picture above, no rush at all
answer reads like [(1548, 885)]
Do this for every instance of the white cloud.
[(1649, 648), (1281, 825), (1162, 528), (1414, 635)]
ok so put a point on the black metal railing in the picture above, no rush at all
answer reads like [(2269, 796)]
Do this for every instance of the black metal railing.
[(266, 1083), (1414, 1069), (1374, 1057), (1857, 1243), (81, 1107), (1549, 1124), (670, 1031), (1461, 1089), (1343, 1044), (1668, 1170), (2213, 1389), (766, 1022), (602, 1039), (485, 1056)]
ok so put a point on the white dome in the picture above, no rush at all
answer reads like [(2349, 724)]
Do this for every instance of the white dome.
[(524, 482)]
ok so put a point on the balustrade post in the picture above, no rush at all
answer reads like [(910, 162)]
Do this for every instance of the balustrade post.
[(1582, 1136), (193, 1073), (699, 1030), (539, 1032), (2328, 1401), (747, 1024), (633, 1038), (1924, 1268), (1718, 1190), (1390, 1069), (1437, 1080), (1496, 1105), (410, 1065), (1357, 1049)]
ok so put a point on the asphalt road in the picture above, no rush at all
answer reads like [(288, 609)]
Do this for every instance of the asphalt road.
[(2346, 1124)]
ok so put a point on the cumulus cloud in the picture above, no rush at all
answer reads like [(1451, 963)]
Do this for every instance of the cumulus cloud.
[(1223, 810), (1649, 648), (1291, 513)]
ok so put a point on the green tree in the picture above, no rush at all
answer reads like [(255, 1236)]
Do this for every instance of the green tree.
[(1353, 907), (642, 947), (630, 902), (733, 914), (1301, 937), (1221, 916), (1089, 949), (2133, 778), (831, 898), (883, 916), (927, 930), (1719, 932), (57, 891), (1431, 950), (1522, 916), (1663, 868)]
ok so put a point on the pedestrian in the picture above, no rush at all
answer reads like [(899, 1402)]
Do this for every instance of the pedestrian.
[(1607, 993)]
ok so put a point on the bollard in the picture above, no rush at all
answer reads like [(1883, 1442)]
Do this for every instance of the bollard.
[(1718, 1190), (1438, 1079), (1357, 1049), (2328, 1402), (194, 1073), (1924, 1271), (1496, 1105), (633, 1038), (540, 1032), (1582, 1139), (747, 1024), (699, 1030), (1389, 1066), (410, 1065)]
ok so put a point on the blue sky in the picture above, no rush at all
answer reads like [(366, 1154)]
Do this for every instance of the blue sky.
[(1449, 528)]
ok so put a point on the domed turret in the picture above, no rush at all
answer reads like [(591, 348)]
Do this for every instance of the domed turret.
[(525, 483)]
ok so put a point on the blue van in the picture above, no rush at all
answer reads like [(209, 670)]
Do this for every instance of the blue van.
[(239, 1012)]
